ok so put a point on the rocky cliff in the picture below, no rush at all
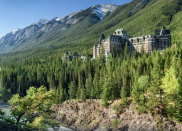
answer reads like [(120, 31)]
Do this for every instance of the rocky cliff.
[(90, 116)]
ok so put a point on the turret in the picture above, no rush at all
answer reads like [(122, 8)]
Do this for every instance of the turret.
[(163, 31), (102, 38)]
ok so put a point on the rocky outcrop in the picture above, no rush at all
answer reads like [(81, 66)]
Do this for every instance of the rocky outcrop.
[(90, 116)]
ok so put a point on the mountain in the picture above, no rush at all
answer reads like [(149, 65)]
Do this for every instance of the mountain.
[(80, 30), (101, 11), (27, 37), (20, 35)]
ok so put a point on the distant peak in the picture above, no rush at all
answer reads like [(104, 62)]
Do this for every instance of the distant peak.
[(110, 4), (41, 22), (101, 10), (14, 31), (74, 13), (58, 18), (104, 5), (95, 6)]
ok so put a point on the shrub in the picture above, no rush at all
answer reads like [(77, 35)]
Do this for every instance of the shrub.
[(115, 123), (117, 109)]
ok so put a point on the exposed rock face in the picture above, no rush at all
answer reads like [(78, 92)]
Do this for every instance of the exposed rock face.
[(90, 116)]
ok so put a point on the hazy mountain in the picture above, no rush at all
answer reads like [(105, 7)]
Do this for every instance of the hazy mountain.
[(20, 39), (20, 35)]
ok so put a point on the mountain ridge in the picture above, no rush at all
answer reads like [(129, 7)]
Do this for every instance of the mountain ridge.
[(42, 26), (135, 16)]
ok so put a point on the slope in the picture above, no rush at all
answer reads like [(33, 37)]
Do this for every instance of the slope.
[(47, 32), (133, 16), (78, 36)]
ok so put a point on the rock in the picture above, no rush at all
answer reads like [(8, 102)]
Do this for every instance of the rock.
[(90, 116)]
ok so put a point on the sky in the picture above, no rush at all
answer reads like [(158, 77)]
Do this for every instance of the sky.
[(22, 13)]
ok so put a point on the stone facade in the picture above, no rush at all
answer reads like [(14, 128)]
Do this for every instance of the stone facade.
[(159, 41)]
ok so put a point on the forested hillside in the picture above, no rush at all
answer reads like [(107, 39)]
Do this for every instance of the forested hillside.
[(79, 37), (151, 80)]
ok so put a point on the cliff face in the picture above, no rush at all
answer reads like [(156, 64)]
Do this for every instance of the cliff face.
[(90, 116)]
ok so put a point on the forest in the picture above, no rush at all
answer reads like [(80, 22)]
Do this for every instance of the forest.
[(151, 80)]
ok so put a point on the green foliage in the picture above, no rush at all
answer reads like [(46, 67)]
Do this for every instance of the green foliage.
[(33, 111), (140, 87), (5, 121), (142, 78), (106, 96), (115, 123), (98, 111), (126, 51), (150, 80), (117, 109), (125, 102), (170, 84), (72, 90), (107, 127), (123, 94)]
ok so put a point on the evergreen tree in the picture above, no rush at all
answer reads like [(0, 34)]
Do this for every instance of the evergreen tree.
[(126, 51), (114, 53), (89, 86), (72, 90), (105, 94)]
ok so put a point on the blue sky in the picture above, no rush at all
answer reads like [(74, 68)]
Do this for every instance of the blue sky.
[(21, 13)]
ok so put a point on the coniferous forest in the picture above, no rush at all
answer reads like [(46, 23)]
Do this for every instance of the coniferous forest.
[(150, 80)]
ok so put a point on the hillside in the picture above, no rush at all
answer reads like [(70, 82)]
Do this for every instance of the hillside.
[(134, 17), (151, 80)]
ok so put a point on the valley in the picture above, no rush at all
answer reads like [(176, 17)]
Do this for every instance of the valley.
[(59, 67)]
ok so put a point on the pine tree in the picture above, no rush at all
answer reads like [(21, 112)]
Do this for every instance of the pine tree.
[(96, 91), (57, 100), (89, 86), (142, 50), (62, 95), (106, 95), (114, 53), (126, 51), (72, 90)]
